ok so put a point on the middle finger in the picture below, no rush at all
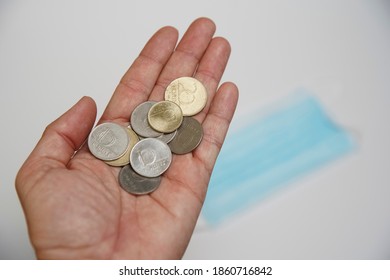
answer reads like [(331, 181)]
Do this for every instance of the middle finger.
[(186, 56)]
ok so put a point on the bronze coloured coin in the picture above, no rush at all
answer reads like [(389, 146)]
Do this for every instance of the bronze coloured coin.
[(188, 136)]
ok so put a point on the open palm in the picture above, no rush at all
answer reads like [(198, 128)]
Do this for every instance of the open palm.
[(73, 203)]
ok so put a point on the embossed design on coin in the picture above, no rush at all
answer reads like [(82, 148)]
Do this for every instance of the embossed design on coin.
[(139, 120), (150, 157), (189, 93), (188, 136), (147, 157), (165, 116), (108, 141), (125, 159), (134, 183)]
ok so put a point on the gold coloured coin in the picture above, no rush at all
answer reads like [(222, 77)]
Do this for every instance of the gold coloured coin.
[(165, 116), (125, 159), (189, 93)]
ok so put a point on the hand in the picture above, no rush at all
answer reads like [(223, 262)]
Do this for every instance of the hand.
[(73, 203)]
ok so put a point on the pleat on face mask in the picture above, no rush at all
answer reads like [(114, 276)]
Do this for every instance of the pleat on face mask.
[(289, 141)]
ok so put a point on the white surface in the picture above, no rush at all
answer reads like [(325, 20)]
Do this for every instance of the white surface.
[(54, 52)]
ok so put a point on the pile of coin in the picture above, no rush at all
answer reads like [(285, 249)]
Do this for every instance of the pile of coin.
[(157, 129)]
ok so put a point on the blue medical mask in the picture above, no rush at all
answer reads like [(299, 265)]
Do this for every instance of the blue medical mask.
[(289, 141)]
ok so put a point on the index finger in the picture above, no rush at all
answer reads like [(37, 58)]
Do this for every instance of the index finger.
[(139, 80)]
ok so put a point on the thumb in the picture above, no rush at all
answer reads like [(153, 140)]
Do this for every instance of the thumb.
[(65, 135), (61, 138)]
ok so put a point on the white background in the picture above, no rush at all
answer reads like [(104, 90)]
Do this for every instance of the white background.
[(54, 52)]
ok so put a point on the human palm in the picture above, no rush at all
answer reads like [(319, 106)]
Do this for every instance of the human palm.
[(73, 203)]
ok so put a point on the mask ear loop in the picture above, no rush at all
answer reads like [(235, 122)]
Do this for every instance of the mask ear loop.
[(356, 135), (352, 131), (332, 87)]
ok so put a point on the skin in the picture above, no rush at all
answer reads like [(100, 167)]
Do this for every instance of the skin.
[(74, 206)]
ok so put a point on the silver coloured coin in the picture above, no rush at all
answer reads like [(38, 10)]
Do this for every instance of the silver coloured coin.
[(150, 157), (167, 137), (188, 137), (125, 158), (139, 120), (134, 183), (108, 141)]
